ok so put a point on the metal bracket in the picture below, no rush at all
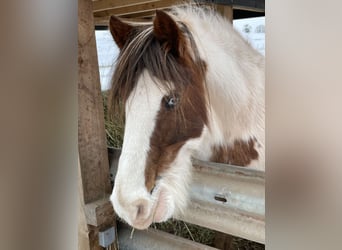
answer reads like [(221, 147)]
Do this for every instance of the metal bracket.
[(107, 237)]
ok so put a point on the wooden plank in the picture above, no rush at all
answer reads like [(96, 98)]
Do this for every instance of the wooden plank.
[(247, 8), (83, 232), (112, 4), (225, 10), (94, 178), (99, 212), (249, 5), (104, 21), (91, 132), (222, 241), (148, 13), (138, 8)]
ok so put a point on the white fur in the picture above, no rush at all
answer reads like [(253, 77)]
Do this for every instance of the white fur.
[(141, 111), (235, 81)]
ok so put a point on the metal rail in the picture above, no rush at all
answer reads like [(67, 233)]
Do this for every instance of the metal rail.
[(152, 239), (229, 199), (226, 198)]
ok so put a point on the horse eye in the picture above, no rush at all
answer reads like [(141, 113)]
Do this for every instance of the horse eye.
[(171, 101)]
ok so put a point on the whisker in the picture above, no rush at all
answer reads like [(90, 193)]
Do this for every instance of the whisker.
[(131, 236)]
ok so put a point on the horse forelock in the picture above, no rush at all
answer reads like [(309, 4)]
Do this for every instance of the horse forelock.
[(173, 74)]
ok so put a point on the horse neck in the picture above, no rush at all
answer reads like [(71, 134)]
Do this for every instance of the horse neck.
[(236, 100), (235, 84)]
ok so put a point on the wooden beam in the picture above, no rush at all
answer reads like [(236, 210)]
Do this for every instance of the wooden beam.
[(249, 5), (247, 8), (225, 10), (138, 8), (135, 18), (101, 5), (149, 13)]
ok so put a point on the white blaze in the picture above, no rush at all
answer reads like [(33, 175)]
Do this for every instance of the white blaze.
[(141, 111)]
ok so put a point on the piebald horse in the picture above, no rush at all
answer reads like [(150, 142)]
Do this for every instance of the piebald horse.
[(190, 86)]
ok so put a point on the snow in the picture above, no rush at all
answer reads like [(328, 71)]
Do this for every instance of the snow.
[(252, 29), (107, 52)]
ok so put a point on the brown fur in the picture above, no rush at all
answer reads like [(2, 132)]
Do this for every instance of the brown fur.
[(174, 129), (120, 31), (168, 34), (241, 153)]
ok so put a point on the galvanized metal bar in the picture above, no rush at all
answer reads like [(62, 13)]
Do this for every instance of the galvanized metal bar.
[(229, 199), (153, 239)]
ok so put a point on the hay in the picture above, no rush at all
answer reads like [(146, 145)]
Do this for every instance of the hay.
[(187, 230), (114, 127)]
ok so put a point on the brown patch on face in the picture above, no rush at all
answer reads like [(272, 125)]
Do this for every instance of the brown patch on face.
[(173, 128), (186, 120), (241, 153)]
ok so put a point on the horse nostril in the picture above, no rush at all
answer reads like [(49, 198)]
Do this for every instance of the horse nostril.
[(142, 209)]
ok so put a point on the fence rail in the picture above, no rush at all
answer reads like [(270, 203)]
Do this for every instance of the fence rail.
[(153, 239), (229, 199)]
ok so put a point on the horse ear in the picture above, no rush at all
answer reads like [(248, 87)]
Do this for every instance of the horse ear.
[(167, 32), (120, 31)]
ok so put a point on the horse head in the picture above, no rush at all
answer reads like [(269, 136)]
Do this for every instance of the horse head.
[(159, 79)]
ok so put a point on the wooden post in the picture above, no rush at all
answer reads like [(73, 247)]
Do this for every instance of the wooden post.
[(224, 10), (223, 241), (96, 212), (83, 232), (91, 130)]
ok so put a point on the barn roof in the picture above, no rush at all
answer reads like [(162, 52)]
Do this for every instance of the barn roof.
[(142, 10)]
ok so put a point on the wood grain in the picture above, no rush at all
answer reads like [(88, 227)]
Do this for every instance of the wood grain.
[(91, 131), (94, 178)]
